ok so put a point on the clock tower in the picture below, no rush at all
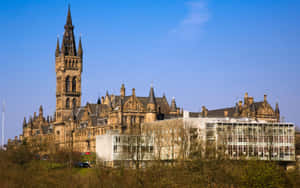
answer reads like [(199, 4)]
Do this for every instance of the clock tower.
[(68, 68)]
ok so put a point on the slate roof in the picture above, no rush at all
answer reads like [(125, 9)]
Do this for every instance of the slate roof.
[(143, 100), (220, 112), (231, 110), (116, 101)]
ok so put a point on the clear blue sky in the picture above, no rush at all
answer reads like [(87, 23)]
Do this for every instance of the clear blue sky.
[(206, 52)]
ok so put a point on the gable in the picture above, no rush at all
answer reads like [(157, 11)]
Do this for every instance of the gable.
[(133, 104), (266, 109)]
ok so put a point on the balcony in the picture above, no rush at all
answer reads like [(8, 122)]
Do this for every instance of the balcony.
[(69, 93)]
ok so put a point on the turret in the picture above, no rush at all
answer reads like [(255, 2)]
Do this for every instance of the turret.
[(277, 112), (236, 110), (246, 98), (265, 98), (98, 100), (107, 100), (122, 91), (151, 107), (24, 122), (204, 111), (253, 110), (173, 105), (57, 51), (80, 51), (240, 105), (30, 122), (41, 111)]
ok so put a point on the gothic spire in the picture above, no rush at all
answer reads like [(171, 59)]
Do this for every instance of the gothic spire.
[(68, 47), (57, 51), (253, 109), (41, 111), (173, 105), (236, 110), (69, 19), (80, 52), (151, 96), (277, 111), (24, 122)]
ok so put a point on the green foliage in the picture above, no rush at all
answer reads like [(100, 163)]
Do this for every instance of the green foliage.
[(262, 174), (23, 169)]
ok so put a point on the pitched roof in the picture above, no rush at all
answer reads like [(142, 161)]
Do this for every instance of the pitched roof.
[(143, 100), (220, 112), (231, 110)]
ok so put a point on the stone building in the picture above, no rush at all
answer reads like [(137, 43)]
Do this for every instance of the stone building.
[(261, 110), (75, 126)]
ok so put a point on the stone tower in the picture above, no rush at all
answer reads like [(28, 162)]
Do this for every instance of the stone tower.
[(68, 68), (151, 107)]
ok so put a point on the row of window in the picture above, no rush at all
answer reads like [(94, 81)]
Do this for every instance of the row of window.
[(125, 148), (68, 103), (132, 120), (270, 139), (71, 63), (68, 82)]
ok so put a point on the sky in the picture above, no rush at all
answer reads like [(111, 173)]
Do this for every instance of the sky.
[(202, 52)]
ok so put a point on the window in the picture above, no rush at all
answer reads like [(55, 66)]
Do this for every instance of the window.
[(74, 84), (124, 120), (67, 83), (132, 120), (74, 103), (68, 103)]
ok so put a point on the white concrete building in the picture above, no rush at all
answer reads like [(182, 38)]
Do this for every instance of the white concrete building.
[(113, 149), (246, 138)]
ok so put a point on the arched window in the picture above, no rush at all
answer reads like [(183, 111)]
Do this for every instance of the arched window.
[(68, 103), (74, 103), (67, 83), (74, 84)]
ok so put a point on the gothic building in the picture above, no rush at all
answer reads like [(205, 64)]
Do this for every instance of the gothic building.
[(76, 126), (261, 110)]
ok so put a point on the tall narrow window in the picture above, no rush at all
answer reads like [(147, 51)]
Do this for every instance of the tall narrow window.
[(74, 84), (68, 103), (67, 83), (74, 103)]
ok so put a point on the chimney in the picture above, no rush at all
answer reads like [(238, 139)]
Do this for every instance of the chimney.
[(133, 91), (240, 104), (122, 92), (226, 113), (203, 111), (246, 98), (265, 98), (102, 100), (250, 100)]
